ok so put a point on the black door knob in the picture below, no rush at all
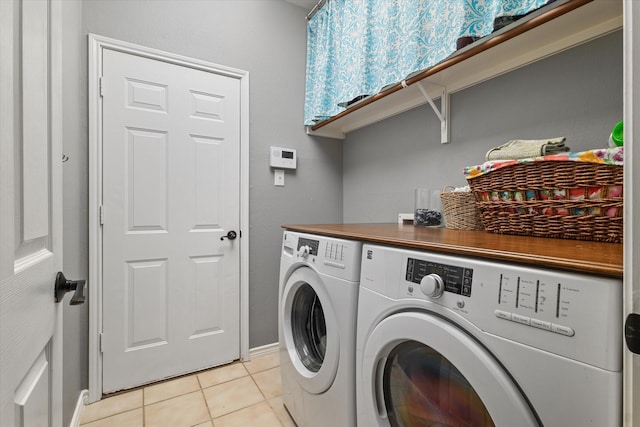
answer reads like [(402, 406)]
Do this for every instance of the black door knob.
[(230, 235), (62, 286)]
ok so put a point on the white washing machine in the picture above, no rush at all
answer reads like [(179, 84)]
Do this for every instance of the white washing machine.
[(319, 280), (453, 341)]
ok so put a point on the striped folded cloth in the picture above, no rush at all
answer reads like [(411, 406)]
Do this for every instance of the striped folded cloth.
[(526, 148)]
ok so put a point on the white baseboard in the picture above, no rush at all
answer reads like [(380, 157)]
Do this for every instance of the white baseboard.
[(83, 399), (263, 350)]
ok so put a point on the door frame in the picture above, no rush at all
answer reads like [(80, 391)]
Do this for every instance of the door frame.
[(97, 44), (631, 273)]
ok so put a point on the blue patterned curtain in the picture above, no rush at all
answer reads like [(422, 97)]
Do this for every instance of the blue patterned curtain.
[(357, 47)]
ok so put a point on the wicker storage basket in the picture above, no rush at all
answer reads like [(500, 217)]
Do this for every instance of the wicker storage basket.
[(460, 211), (562, 199)]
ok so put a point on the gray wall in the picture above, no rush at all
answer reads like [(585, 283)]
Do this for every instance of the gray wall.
[(576, 94), (267, 38)]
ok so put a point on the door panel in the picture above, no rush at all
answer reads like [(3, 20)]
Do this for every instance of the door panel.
[(208, 162), (171, 165), (35, 84), (30, 212), (146, 182), (146, 304), (205, 302), (32, 395)]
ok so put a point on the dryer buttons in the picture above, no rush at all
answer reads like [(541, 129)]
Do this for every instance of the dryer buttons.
[(563, 330), (536, 323)]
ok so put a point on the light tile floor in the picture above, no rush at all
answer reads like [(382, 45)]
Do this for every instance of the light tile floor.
[(238, 394)]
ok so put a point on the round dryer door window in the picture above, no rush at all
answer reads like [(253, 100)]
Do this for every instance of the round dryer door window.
[(309, 328), (422, 370), (423, 388)]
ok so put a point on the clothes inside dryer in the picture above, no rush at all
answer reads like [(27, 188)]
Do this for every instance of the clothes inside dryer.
[(423, 388)]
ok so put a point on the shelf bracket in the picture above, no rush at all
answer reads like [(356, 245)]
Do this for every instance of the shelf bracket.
[(442, 113), (327, 132)]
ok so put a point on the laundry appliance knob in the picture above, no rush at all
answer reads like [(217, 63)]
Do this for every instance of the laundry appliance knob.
[(432, 285), (303, 251)]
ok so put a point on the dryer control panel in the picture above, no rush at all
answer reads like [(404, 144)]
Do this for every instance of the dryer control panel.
[(311, 244), (457, 280), (571, 314)]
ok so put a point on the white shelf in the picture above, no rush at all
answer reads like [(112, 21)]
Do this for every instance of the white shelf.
[(489, 57)]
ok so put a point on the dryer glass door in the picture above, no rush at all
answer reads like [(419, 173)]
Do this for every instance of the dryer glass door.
[(308, 328), (422, 388), (422, 370)]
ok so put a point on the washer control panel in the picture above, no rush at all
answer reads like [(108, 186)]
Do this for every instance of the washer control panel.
[(337, 257)]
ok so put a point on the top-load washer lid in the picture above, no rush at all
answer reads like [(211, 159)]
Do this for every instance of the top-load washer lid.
[(310, 330)]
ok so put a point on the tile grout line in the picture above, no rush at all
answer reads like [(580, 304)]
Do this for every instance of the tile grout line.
[(205, 400), (265, 397), (211, 418), (250, 375), (124, 411)]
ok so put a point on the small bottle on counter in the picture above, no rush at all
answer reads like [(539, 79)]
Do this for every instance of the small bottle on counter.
[(616, 139)]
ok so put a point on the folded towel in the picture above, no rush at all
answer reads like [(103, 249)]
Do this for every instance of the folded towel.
[(525, 148)]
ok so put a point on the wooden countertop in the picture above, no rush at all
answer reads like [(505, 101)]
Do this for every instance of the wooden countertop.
[(575, 255)]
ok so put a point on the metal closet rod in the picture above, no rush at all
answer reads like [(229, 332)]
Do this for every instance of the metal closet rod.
[(316, 8)]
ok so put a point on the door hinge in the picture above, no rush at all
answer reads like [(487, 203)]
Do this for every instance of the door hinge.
[(101, 342), (101, 86), (101, 214)]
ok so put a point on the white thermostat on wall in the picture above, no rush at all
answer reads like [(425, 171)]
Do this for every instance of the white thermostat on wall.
[(284, 158)]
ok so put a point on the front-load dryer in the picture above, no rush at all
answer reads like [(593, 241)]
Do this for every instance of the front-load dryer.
[(318, 298), (453, 341)]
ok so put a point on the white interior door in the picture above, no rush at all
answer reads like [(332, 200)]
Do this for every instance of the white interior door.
[(30, 213), (171, 193)]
